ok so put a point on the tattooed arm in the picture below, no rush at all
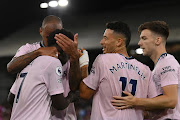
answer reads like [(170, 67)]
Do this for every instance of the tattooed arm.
[(19, 63)]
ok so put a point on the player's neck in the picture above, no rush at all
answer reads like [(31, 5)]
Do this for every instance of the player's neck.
[(123, 51), (157, 53)]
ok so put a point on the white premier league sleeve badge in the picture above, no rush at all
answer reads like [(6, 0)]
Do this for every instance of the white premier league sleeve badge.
[(59, 71)]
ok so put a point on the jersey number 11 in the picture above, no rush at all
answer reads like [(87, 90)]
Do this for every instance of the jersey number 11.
[(124, 83)]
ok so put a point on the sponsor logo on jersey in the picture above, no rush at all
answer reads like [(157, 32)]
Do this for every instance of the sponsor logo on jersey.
[(59, 80), (167, 69)]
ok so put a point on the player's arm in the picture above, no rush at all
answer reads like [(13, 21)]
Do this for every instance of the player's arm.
[(167, 100), (10, 98), (60, 102), (74, 74), (83, 62), (85, 91), (89, 85), (12, 92), (70, 48), (19, 63), (84, 71)]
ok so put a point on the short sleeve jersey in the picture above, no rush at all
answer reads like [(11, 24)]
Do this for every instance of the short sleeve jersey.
[(34, 87), (69, 112), (167, 72), (27, 48), (110, 75)]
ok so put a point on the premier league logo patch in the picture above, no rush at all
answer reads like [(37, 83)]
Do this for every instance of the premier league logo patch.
[(93, 70), (59, 71)]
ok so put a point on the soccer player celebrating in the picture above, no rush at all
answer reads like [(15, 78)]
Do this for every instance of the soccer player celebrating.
[(166, 74), (27, 53), (40, 84), (112, 73)]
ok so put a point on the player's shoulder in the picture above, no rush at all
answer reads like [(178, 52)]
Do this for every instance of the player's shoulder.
[(107, 55), (46, 63), (167, 63), (47, 60), (31, 45), (141, 65), (168, 59)]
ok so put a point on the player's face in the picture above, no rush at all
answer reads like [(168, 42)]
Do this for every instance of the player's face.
[(109, 41), (47, 29), (147, 42)]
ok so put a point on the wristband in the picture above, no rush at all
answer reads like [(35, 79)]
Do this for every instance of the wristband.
[(84, 59)]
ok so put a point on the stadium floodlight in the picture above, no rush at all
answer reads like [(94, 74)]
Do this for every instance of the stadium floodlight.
[(63, 3), (139, 51), (43, 5), (53, 3)]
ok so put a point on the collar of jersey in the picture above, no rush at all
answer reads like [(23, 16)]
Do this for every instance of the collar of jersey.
[(127, 57), (161, 56), (41, 44)]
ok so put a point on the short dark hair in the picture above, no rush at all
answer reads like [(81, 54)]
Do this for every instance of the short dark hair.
[(159, 27), (51, 18), (122, 28), (50, 39)]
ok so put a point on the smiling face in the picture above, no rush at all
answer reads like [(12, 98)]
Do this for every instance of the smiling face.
[(147, 42), (109, 41)]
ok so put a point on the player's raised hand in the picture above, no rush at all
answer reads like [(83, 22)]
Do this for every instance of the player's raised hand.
[(68, 46), (124, 102)]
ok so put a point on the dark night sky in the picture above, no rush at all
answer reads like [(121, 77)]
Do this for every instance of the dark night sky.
[(17, 13)]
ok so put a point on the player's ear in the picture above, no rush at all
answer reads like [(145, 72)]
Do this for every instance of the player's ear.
[(40, 31), (158, 41), (119, 42)]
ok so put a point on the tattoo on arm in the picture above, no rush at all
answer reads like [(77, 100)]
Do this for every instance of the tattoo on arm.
[(74, 75), (19, 63)]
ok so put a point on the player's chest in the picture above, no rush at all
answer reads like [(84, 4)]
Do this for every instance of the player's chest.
[(156, 77)]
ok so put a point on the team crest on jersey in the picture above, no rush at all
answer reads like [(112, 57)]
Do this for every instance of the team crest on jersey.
[(59, 71)]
